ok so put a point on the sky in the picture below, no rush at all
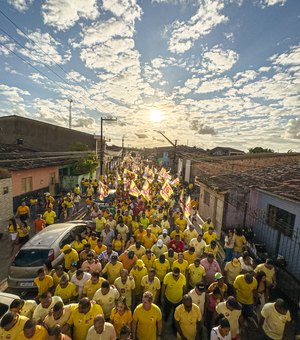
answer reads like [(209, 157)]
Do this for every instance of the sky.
[(203, 72)]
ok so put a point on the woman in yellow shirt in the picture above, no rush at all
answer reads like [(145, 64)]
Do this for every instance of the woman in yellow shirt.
[(23, 234), (78, 243), (23, 212), (13, 232), (121, 315), (118, 244)]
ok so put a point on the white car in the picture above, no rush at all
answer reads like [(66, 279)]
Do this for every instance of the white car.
[(5, 301)]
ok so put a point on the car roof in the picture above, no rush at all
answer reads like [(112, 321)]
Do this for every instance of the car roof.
[(7, 297), (50, 234)]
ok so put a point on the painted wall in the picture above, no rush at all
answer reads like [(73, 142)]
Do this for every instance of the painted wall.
[(40, 178), (6, 201)]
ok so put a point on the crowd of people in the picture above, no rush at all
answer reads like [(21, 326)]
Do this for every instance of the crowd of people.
[(141, 264)]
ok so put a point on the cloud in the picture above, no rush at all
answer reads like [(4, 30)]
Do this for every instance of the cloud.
[(13, 94), (141, 135), (218, 60), (126, 9), (207, 17), (206, 130), (63, 14), (214, 85), (76, 76), (292, 129), (86, 122), (291, 57), (21, 5), (268, 3)]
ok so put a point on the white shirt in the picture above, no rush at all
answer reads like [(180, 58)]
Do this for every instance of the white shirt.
[(199, 246), (165, 240), (107, 302), (198, 300), (108, 333), (80, 283), (40, 312), (215, 335)]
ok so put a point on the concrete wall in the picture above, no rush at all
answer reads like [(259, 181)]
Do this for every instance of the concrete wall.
[(6, 201), (40, 178), (41, 136)]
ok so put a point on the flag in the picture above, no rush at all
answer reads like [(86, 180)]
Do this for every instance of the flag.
[(166, 191), (103, 191), (118, 177), (134, 190), (175, 182), (181, 200), (188, 207), (146, 173), (146, 191)]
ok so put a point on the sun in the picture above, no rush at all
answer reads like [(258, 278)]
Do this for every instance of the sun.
[(155, 115)]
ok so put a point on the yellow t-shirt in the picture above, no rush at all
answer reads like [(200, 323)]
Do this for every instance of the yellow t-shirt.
[(67, 310), (49, 217), (232, 272), (244, 290), (39, 334), (148, 263), (182, 266), (15, 331), (171, 259), (239, 242), (100, 223), (119, 320), (209, 249), (44, 285), (155, 230), (207, 237), (190, 257), (147, 321), (92, 242), (135, 226), (161, 268), (98, 250), (70, 258), (82, 322), (22, 210), (206, 226), (188, 320), (149, 241), (67, 293), (196, 274), (78, 246), (189, 235), (138, 252), (174, 288), (152, 287), (113, 271), (138, 275), (89, 288), (174, 233), (182, 223), (125, 289), (270, 273)]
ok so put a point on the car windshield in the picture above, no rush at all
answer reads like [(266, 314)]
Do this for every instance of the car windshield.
[(31, 257)]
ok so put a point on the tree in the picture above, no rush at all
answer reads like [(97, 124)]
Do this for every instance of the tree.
[(85, 165), (259, 149)]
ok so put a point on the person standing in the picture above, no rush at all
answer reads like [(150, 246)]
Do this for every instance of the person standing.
[(23, 212), (188, 319), (147, 320), (211, 267)]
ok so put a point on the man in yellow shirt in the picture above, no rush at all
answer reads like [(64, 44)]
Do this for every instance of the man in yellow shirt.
[(210, 235), (207, 225), (151, 284), (82, 318), (181, 263), (155, 228), (43, 282), (172, 292), (113, 269), (269, 269), (147, 320), (245, 285), (125, 285), (66, 290), (49, 216), (11, 325), (175, 232), (188, 319), (149, 239), (70, 256), (212, 248), (190, 255), (196, 272), (189, 233), (33, 332), (148, 259), (60, 315), (162, 266), (138, 272), (181, 222), (92, 285)]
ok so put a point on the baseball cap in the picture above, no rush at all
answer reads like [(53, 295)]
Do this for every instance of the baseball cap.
[(218, 276), (233, 303), (140, 263), (235, 262), (65, 247), (200, 286), (159, 243), (165, 231), (114, 257)]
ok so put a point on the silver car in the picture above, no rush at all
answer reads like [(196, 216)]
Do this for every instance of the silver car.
[(42, 248)]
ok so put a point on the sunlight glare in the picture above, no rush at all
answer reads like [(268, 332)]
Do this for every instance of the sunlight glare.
[(155, 115)]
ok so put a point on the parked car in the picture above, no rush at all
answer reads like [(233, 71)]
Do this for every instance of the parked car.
[(42, 248), (5, 301)]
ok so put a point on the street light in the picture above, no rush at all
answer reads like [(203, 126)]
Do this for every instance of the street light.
[(70, 112), (101, 139), (175, 148)]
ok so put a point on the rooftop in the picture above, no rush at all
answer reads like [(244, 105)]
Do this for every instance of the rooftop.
[(283, 180)]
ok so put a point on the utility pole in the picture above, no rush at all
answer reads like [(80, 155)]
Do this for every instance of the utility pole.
[(175, 149), (101, 141), (70, 112)]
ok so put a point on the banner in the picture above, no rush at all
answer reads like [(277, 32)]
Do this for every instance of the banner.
[(146, 191), (166, 191), (103, 191), (134, 190), (175, 182), (188, 207), (181, 200)]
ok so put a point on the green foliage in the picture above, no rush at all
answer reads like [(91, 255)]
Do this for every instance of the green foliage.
[(259, 149), (85, 165), (78, 146)]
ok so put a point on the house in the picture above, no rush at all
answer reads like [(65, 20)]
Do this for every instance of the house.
[(6, 205), (225, 151)]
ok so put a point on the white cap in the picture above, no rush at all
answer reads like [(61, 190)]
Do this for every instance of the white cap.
[(165, 231), (159, 243)]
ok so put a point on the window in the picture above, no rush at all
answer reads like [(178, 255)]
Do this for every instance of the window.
[(5, 190), (281, 220), (206, 198), (26, 184)]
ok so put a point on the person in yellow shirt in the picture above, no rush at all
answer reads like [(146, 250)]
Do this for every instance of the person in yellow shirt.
[(181, 263), (239, 243), (113, 269), (92, 285), (151, 283), (196, 272), (92, 240), (100, 222), (78, 243), (210, 235), (23, 212), (269, 269), (187, 317), (121, 316), (125, 285), (208, 224), (66, 290), (138, 249), (212, 248), (175, 232), (11, 325), (82, 318), (176, 214), (149, 239), (162, 266), (23, 307), (219, 282), (49, 216), (181, 222), (100, 247), (147, 319), (138, 272), (165, 224), (140, 233), (59, 316), (135, 223), (148, 259), (43, 282), (155, 228), (171, 256), (70, 256), (189, 233), (190, 255), (33, 332)]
